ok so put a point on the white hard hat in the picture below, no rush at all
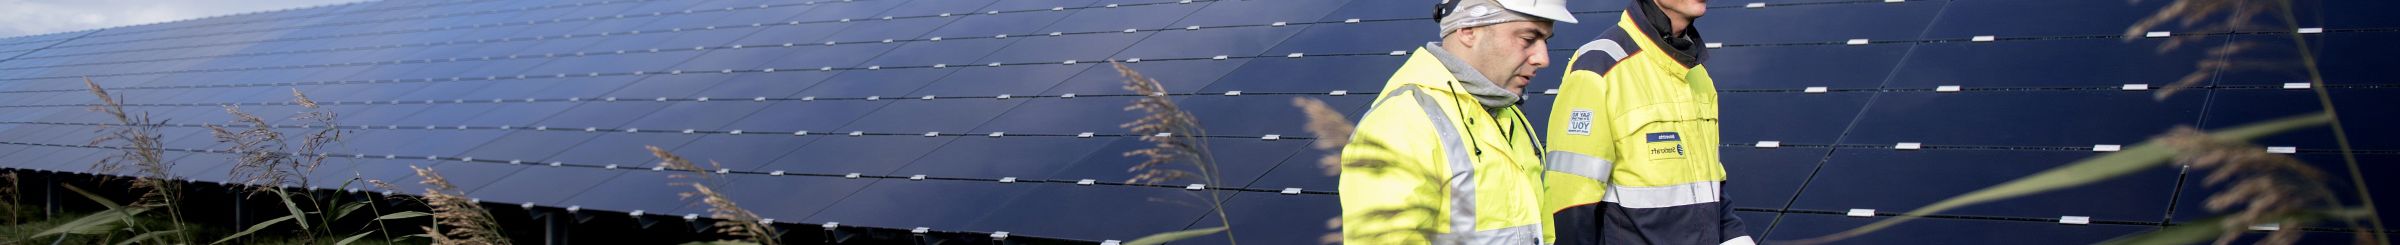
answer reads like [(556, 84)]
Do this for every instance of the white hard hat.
[(1555, 10)]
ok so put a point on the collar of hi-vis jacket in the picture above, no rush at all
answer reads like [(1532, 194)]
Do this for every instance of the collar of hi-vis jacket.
[(1653, 25), (1490, 94)]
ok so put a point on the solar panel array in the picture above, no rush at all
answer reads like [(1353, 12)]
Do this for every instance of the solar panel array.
[(1003, 116)]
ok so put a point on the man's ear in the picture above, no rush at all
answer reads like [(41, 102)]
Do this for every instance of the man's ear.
[(1467, 36)]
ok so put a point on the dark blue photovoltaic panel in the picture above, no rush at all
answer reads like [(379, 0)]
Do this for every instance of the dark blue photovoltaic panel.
[(1766, 177), (1864, 178), (1117, 212), (2000, 118), (1181, 76), (1309, 74), (1225, 13), (1747, 118), (2058, 18), (1800, 67), (1818, 23), (1805, 226), (1274, 217), (2278, 63), (932, 203), (1024, 157), (2357, 114), (405, 77), (2197, 191), (2081, 62)]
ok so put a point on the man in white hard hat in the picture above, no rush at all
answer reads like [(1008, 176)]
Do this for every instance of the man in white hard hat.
[(1445, 156), (1633, 136)]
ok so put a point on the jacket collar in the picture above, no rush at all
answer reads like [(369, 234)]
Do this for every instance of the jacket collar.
[(1654, 25), (1490, 94)]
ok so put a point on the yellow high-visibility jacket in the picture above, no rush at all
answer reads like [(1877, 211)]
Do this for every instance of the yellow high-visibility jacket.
[(1633, 142), (1429, 163)]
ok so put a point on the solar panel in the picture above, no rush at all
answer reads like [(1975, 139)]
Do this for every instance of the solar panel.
[(980, 117)]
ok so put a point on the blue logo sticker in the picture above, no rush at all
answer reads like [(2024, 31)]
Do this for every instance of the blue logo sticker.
[(1663, 137)]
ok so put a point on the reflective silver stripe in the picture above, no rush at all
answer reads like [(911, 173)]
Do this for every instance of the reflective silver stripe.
[(1578, 164), (1615, 52), (1524, 234), (1462, 168), (1664, 196)]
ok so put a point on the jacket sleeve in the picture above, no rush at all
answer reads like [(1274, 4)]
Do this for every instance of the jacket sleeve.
[(1391, 180), (1731, 229), (1582, 150)]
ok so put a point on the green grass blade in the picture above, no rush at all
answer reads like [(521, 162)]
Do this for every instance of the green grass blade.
[(1163, 238), (293, 207), (154, 235), (346, 208), (253, 229), (112, 205), (96, 223), (2146, 155), (402, 215), (353, 238)]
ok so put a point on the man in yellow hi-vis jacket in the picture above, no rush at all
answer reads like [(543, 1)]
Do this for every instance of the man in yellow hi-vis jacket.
[(1445, 156), (1633, 137)]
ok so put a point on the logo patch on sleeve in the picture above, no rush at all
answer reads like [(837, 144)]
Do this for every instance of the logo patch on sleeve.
[(1579, 122)]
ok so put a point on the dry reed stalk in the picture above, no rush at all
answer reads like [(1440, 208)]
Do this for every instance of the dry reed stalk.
[(137, 139), (743, 223), (1176, 136), (465, 221)]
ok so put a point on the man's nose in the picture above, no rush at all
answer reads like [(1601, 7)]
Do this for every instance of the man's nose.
[(1541, 55)]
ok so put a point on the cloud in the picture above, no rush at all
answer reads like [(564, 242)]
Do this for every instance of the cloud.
[(35, 17)]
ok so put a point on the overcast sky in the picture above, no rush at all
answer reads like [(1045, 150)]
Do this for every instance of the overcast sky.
[(33, 17)]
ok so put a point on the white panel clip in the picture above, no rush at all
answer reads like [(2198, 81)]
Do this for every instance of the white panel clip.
[(2107, 148), (1084, 135), (2283, 149), (1755, 5), (1271, 137), (2158, 34), (916, 177), (1233, 93), (1085, 182), (1291, 191), (1946, 88), (932, 134), (1338, 93), (850, 176), (1713, 45), (2135, 87), (1295, 55), (1908, 146), (996, 134), (2296, 86), (1860, 41), (1815, 90), (857, 133), (1983, 38), (1399, 53), (1768, 144), (2312, 30), (1195, 187), (2075, 220), (1861, 212), (1008, 179)]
